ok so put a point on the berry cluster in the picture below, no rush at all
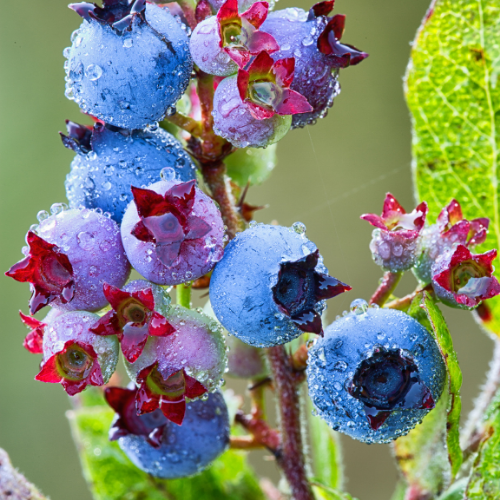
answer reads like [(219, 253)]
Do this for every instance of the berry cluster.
[(225, 78)]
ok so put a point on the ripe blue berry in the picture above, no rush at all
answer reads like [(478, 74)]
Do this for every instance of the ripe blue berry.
[(128, 63), (162, 448), (222, 43), (186, 364), (313, 40), (110, 160), (172, 232), (271, 286), (74, 356), (69, 257), (375, 374)]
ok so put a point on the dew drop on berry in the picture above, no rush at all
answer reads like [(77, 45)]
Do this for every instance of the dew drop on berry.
[(42, 215), (299, 227), (128, 43), (359, 306), (93, 72), (57, 208), (167, 174)]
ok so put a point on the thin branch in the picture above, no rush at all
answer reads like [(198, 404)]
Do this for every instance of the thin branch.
[(185, 123), (388, 284), (291, 459)]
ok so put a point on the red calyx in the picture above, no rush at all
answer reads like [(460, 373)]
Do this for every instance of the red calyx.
[(48, 271), (166, 220), (167, 394), (79, 138), (128, 422), (300, 288), (394, 218), (342, 55), (469, 277), (455, 228), (132, 320), (239, 34), (74, 367), (265, 88), (34, 340)]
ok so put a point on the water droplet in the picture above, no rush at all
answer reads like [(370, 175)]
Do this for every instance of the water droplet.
[(128, 43), (85, 240), (106, 186), (359, 306), (299, 227), (93, 72), (252, 223), (66, 52), (340, 366), (42, 215), (286, 46), (307, 41), (57, 208), (167, 174)]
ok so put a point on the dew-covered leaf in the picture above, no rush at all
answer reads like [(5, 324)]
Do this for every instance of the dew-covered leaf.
[(327, 454), (484, 483), (111, 476), (453, 94), (445, 343), (421, 454)]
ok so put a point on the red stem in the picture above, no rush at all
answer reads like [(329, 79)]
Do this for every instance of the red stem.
[(389, 283), (291, 456)]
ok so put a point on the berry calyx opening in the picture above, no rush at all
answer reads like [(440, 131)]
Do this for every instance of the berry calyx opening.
[(300, 287), (386, 381), (48, 271), (132, 320), (166, 220), (74, 367), (150, 425), (169, 394), (265, 88), (79, 138), (239, 34), (118, 14)]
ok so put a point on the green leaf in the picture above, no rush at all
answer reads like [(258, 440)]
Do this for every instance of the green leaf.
[(322, 492), (431, 451), (327, 453), (445, 344), (484, 483), (400, 491), (111, 476), (453, 93), (455, 491)]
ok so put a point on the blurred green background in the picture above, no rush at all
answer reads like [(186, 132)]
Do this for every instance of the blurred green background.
[(327, 176)]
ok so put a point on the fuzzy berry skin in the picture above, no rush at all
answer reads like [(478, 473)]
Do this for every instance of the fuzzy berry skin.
[(234, 122), (206, 51), (101, 175), (153, 53), (251, 165), (196, 256), (252, 286), (349, 351), (187, 449), (75, 326), (297, 33), (69, 258), (197, 346)]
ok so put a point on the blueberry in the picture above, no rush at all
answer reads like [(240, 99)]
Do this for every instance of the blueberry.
[(186, 364), (270, 286), (299, 35), (172, 232), (222, 43), (74, 356), (69, 257), (375, 374), (110, 160), (234, 121), (184, 450), (128, 63)]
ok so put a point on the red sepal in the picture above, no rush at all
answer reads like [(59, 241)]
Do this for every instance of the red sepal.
[(309, 321), (293, 103), (174, 410), (284, 71), (34, 340), (50, 372), (321, 9), (132, 335), (202, 11), (48, 270), (257, 14)]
